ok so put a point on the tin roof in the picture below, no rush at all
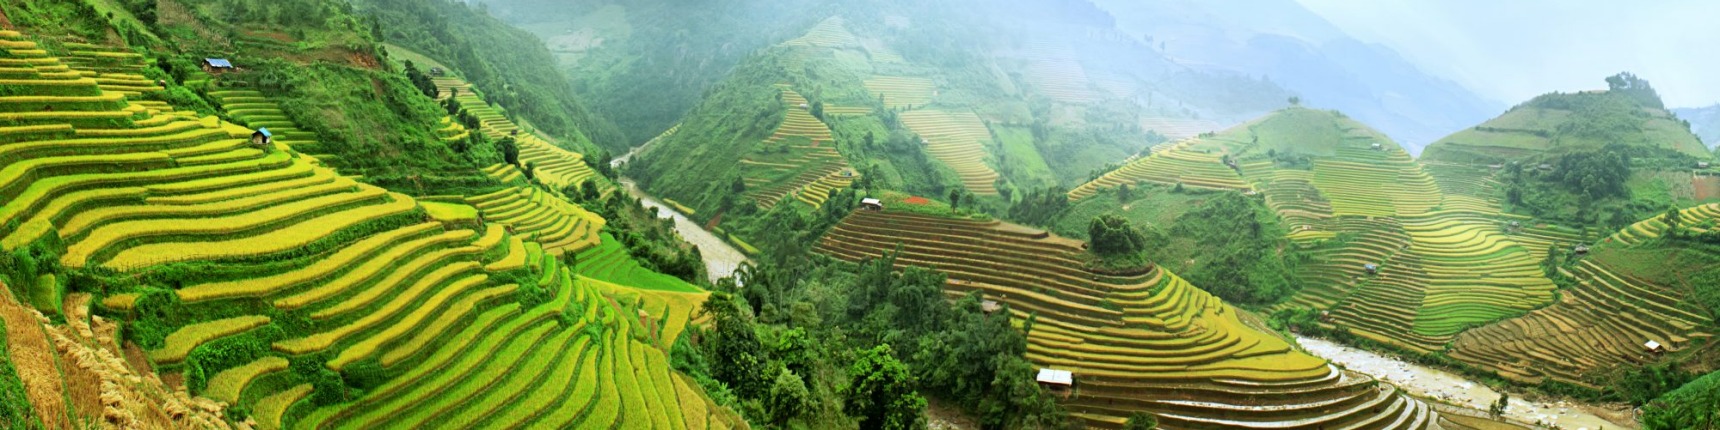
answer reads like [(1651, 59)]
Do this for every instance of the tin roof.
[(219, 62), (1054, 376)]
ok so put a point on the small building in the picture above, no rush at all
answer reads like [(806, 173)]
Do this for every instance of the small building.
[(1379, 147), (1580, 249), (871, 204), (1654, 347), (989, 306), (262, 137), (1373, 269), (1545, 166), (217, 65), (1059, 382), (437, 71), (805, 106), (1702, 164)]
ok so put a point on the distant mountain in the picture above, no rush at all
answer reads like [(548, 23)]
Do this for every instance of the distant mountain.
[(1296, 49), (1564, 122), (1705, 122)]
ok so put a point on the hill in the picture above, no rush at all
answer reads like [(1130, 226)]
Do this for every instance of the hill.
[(1133, 342), (190, 273), (1562, 123), (511, 66)]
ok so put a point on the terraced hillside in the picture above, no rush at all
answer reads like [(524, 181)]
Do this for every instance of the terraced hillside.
[(798, 160), (1145, 342), (1176, 164), (900, 92), (958, 139), (1558, 122), (286, 274), (539, 216), (1054, 70), (552, 165), (1602, 322), (829, 33)]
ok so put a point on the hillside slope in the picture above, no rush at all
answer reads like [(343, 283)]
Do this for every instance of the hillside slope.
[(1562, 123), (272, 290), (1148, 341)]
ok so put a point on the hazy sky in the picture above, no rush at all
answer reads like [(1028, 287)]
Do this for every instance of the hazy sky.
[(1512, 50)]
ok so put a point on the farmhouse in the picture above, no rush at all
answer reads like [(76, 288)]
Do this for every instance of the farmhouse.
[(262, 137), (217, 65), (1654, 347), (1373, 269), (871, 204), (1060, 382)]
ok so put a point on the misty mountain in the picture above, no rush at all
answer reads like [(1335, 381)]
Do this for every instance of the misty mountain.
[(1705, 122), (1296, 49)]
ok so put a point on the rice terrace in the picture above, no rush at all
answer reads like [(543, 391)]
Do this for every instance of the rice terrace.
[(865, 214)]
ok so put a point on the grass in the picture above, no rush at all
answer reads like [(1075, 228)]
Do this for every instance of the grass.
[(610, 262)]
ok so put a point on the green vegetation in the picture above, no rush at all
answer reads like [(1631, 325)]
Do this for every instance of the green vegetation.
[(1695, 405), (523, 78)]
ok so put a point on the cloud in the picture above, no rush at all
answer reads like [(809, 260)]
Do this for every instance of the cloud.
[(1514, 50)]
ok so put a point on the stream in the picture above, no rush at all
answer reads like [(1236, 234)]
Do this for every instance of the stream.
[(1439, 385), (721, 259)]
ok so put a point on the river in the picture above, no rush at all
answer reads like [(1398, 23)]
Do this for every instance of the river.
[(721, 259), (1450, 388)]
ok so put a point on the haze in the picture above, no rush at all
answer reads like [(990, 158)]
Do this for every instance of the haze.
[(1512, 50)]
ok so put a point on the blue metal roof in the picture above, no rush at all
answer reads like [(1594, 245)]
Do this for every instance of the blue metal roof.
[(265, 132), (219, 62)]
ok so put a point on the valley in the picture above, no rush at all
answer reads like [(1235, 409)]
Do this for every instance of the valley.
[(810, 214)]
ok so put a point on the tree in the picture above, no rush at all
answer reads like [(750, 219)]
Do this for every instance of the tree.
[(738, 186), (738, 357), (1498, 407), (1124, 194), (1673, 219), (1112, 235), (880, 392), (818, 110), (789, 397), (531, 171), (510, 151), (955, 198), (1295, 100), (1141, 421)]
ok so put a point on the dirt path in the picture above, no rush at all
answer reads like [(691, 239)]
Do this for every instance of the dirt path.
[(1447, 387), (34, 357)]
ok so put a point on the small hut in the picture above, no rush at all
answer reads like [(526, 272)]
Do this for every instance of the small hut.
[(1373, 269), (1580, 249), (1379, 147), (1059, 382), (217, 65), (989, 306), (1702, 164), (1654, 347), (871, 204), (262, 137), (437, 71)]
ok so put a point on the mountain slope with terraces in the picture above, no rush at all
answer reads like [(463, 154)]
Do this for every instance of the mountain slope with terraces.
[(173, 251), (1145, 341)]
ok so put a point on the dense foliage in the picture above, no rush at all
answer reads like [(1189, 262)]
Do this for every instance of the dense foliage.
[(510, 66), (1694, 406), (1243, 257), (885, 338)]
